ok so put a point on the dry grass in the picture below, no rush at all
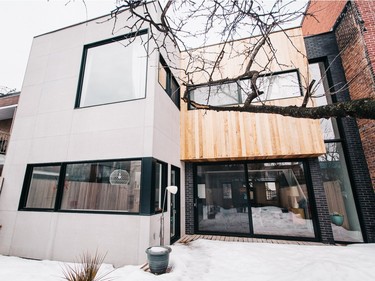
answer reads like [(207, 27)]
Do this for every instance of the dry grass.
[(87, 269)]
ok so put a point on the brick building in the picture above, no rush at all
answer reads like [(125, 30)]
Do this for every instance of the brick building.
[(353, 25)]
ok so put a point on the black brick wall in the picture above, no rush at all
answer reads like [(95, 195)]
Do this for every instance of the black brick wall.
[(189, 199), (324, 47), (324, 221)]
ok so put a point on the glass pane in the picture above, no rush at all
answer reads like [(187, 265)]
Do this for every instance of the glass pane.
[(158, 186), (222, 199), (224, 94), (279, 199), (43, 187), (173, 204), (175, 92), (341, 205), (162, 76), (114, 72), (277, 86), (109, 186), (322, 97)]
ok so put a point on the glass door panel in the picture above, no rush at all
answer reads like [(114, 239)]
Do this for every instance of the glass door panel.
[(280, 203), (175, 205), (222, 199)]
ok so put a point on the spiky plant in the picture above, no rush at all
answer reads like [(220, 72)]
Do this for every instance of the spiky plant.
[(87, 269)]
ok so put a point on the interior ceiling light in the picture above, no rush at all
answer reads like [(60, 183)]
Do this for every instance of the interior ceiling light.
[(119, 177)]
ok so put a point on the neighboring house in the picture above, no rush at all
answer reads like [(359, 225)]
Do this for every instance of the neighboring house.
[(101, 131), (8, 106), (340, 42), (352, 24)]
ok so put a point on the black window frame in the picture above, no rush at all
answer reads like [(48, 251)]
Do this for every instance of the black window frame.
[(245, 163), (147, 187), (86, 47), (239, 95), (170, 79)]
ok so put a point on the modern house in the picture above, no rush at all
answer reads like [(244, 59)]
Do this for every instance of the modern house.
[(101, 131)]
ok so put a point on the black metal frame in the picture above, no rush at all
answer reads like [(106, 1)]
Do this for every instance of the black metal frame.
[(147, 186), (240, 101), (83, 65), (169, 79), (343, 142), (251, 230), (178, 204)]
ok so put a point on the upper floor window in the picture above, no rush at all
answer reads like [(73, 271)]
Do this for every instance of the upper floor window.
[(169, 82), (275, 86), (113, 70)]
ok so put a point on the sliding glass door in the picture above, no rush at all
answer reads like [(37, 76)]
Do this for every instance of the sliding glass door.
[(265, 199), (222, 204)]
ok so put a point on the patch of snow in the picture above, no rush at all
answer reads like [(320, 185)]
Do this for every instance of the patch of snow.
[(206, 260)]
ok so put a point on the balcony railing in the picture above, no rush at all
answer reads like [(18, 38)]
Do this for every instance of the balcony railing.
[(4, 139)]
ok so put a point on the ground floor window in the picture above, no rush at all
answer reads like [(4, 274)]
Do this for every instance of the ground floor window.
[(95, 186), (269, 198), (341, 204)]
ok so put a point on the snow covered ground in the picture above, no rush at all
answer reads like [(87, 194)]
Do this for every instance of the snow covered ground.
[(206, 260)]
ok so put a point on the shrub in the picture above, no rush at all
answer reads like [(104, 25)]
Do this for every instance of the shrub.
[(87, 269)]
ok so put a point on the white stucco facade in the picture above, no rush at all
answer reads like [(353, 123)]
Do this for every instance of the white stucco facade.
[(49, 129)]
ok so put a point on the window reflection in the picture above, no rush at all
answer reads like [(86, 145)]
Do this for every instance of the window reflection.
[(114, 72), (276, 86), (109, 186), (280, 205), (341, 205), (339, 195), (43, 187), (273, 196)]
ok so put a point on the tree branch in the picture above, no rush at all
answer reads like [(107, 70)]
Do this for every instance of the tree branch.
[(361, 108)]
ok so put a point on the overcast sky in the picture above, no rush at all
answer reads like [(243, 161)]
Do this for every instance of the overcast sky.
[(21, 20)]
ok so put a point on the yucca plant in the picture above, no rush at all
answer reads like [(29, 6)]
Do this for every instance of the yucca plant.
[(87, 269)]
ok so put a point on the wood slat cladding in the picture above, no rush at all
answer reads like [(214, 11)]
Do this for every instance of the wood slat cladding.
[(223, 136), (209, 135)]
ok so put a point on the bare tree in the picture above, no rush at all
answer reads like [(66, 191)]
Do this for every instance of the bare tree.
[(186, 21)]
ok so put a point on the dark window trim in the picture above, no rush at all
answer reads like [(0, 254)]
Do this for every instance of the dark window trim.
[(240, 101), (342, 140), (83, 65), (147, 189), (170, 77), (310, 192), (164, 178)]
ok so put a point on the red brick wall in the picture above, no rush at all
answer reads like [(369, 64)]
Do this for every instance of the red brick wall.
[(325, 14), (354, 44), (367, 12), (9, 100), (356, 40), (367, 127)]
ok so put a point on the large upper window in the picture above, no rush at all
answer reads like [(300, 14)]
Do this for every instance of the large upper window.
[(91, 186), (275, 86), (113, 71)]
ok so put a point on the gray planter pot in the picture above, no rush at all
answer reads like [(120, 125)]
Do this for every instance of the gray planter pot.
[(158, 258)]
